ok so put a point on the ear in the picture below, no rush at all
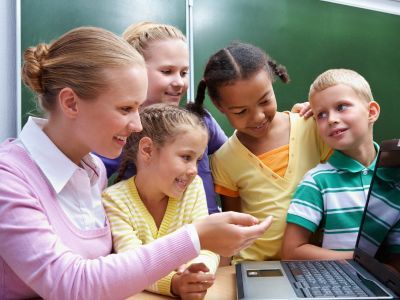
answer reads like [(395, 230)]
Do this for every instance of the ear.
[(374, 110), (68, 102), (145, 149)]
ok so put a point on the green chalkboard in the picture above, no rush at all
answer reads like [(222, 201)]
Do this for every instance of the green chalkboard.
[(308, 37), (46, 20)]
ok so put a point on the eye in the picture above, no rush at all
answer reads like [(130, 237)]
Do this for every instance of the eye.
[(126, 109), (322, 115), (241, 112), (186, 157), (166, 72), (342, 107), (184, 73), (264, 102)]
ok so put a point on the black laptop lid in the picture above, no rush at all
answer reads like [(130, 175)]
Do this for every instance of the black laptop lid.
[(378, 243)]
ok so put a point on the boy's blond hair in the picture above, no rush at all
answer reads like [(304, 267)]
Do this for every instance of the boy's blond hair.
[(347, 77)]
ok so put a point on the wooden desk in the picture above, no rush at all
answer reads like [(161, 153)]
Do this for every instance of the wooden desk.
[(223, 288)]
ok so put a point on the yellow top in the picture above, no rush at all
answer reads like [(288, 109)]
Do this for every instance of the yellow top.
[(132, 225), (277, 160), (262, 191)]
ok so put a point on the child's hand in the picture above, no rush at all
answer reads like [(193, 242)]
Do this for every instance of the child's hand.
[(192, 283), (181, 269), (304, 109)]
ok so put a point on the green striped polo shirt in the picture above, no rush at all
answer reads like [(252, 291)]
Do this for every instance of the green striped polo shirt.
[(332, 196)]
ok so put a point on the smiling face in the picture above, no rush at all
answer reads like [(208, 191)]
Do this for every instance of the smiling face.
[(174, 164), (104, 123), (249, 105), (167, 64), (344, 119)]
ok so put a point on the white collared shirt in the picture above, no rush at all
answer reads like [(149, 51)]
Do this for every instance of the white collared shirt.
[(76, 187)]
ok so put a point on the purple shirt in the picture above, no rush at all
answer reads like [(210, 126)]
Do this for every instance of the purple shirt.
[(216, 138)]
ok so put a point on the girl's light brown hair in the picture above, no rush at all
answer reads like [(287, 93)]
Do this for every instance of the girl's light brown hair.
[(140, 35), (78, 60), (162, 123)]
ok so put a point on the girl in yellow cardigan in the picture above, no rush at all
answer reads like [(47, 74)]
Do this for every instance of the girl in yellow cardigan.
[(165, 194)]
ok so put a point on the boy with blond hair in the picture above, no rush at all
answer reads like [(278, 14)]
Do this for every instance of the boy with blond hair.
[(332, 195)]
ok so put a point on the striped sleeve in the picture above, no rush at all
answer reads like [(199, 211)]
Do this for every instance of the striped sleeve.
[(210, 259), (392, 205), (306, 208), (116, 203), (195, 207), (394, 239)]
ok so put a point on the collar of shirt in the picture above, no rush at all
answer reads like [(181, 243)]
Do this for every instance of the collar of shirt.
[(343, 162), (57, 167)]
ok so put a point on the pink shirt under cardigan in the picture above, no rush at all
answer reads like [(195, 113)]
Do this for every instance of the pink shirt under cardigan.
[(43, 253)]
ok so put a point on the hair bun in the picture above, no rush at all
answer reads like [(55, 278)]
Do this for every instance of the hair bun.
[(32, 69)]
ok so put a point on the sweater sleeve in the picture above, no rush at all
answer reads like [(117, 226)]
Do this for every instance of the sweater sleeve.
[(198, 204), (125, 235), (210, 259), (36, 254)]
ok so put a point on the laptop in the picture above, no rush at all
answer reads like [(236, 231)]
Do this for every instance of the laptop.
[(368, 275)]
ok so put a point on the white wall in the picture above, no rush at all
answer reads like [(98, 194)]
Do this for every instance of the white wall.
[(8, 82)]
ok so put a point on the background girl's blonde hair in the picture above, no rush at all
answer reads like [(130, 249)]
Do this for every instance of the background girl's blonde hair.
[(140, 35), (347, 77), (162, 123), (78, 60)]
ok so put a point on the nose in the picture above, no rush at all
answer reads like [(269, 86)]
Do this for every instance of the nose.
[(178, 81), (259, 115), (333, 118), (192, 170), (134, 123)]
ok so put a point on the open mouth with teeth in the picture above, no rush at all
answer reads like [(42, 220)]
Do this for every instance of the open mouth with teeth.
[(337, 132), (182, 184), (259, 126), (121, 140), (176, 94)]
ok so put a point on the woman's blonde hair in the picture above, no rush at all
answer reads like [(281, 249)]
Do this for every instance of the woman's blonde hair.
[(140, 35), (78, 60), (347, 77), (162, 123)]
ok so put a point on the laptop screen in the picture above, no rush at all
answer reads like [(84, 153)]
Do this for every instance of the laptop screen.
[(379, 236)]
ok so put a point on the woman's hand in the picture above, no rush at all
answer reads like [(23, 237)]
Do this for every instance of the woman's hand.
[(227, 233)]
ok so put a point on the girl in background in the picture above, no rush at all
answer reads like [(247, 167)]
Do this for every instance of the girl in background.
[(165, 194), (55, 237), (166, 54), (259, 167)]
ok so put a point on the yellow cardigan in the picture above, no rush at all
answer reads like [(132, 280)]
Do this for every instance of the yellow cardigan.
[(132, 225)]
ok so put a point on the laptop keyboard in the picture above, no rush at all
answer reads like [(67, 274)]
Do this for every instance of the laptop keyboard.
[(319, 279)]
